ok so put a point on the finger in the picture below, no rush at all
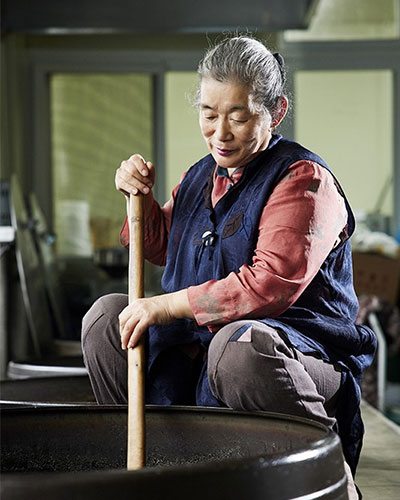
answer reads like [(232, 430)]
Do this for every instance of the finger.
[(134, 169), (123, 178), (123, 318), (140, 164), (137, 334), (127, 331), (131, 181), (145, 169), (141, 187), (124, 186), (127, 313), (140, 171), (152, 172)]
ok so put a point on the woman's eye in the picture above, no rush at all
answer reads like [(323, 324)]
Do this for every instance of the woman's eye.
[(209, 118), (235, 120)]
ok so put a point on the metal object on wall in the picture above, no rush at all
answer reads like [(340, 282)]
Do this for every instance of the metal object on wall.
[(175, 16), (192, 453)]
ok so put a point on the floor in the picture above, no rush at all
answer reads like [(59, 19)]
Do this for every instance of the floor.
[(378, 474)]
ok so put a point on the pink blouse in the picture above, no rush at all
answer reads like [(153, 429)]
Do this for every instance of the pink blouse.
[(302, 221)]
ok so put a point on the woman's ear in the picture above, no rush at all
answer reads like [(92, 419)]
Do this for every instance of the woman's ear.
[(280, 111)]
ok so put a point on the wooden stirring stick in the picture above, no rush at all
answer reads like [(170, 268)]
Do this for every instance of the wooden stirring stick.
[(136, 360)]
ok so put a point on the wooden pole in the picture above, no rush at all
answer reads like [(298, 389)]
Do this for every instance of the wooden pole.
[(136, 360)]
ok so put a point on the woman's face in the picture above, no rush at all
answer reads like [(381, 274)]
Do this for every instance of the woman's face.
[(233, 131)]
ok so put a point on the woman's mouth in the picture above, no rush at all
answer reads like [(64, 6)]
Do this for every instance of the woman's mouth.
[(224, 152)]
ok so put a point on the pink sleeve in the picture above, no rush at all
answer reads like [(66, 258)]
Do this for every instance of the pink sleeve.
[(156, 230), (299, 226)]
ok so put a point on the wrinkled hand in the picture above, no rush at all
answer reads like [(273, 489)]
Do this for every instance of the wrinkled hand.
[(139, 315), (158, 310), (134, 176)]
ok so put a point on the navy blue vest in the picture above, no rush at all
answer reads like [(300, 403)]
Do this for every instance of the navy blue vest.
[(209, 243)]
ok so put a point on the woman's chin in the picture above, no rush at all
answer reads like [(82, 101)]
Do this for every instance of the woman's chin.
[(224, 161)]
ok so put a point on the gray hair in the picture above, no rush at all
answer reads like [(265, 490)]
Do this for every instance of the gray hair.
[(247, 61)]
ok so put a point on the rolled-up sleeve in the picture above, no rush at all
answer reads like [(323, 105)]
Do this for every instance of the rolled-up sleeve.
[(157, 225)]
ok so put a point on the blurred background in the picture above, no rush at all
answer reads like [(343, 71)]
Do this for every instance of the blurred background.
[(85, 84)]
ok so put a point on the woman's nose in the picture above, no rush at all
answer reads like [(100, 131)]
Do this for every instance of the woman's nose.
[(222, 131)]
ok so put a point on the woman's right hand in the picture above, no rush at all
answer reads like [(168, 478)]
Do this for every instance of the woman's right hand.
[(134, 176)]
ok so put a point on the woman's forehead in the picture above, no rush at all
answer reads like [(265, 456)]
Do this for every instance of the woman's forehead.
[(229, 95)]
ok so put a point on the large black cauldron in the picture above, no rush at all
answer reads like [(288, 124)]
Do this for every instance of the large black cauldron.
[(79, 452)]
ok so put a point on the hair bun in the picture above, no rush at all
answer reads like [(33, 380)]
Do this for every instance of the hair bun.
[(280, 59)]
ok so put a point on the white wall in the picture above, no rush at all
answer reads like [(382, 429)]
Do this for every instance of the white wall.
[(346, 117)]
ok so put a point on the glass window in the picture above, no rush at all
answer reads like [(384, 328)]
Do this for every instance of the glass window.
[(97, 120), (184, 142)]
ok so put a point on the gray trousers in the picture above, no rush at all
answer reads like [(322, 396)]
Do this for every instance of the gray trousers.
[(250, 367)]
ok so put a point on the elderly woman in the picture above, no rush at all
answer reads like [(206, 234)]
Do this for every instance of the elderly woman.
[(259, 307)]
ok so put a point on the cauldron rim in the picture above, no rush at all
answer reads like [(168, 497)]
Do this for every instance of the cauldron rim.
[(28, 406), (330, 438), (248, 467)]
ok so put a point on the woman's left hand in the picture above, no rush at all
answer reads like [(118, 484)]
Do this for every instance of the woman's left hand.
[(158, 310)]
